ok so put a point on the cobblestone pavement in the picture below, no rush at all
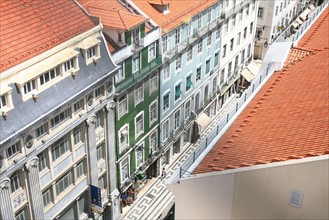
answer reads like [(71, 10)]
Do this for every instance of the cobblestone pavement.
[(156, 199)]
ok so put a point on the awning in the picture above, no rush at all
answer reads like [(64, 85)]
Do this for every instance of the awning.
[(311, 7), (295, 24), (299, 21), (247, 75), (303, 15), (203, 120)]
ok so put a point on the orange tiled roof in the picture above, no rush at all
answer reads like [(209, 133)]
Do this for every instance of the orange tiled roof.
[(295, 54), (113, 15), (287, 119), (118, 20), (28, 28), (179, 10)]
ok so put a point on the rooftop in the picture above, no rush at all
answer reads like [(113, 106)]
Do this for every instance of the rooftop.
[(29, 28), (179, 11), (288, 118)]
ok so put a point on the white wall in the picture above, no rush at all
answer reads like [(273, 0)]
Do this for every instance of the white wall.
[(258, 192)]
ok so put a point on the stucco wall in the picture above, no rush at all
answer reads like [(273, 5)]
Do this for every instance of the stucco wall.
[(259, 192)]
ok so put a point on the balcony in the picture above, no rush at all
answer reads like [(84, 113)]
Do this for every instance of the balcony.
[(139, 75), (138, 44)]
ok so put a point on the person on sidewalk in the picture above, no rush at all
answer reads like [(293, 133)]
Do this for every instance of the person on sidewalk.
[(163, 174)]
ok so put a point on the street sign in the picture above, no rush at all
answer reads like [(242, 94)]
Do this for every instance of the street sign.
[(96, 199)]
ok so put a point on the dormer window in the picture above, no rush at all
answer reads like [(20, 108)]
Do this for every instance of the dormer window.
[(5, 98), (166, 9), (29, 86), (50, 75), (91, 49), (161, 5)]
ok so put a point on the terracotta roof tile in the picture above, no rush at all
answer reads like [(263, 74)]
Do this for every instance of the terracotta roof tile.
[(291, 122), (179, 11), (28, 28)]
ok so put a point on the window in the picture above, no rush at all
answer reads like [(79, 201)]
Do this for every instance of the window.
[(229, 69), (226, 26), (206, 93), (124, 170), (216, 59), (135, 64), (165, 43), (177, 36), (80, 170), (153, 83), (245, 33), (187, 109), (139, 155), (61, 117), (43, 162), (260, 12), (120, 75), (240, 15), (249, 50), (214, 85), (224, 51), (59, 148), (233, 22), (29, 86), (176, 119), (165, 130), (69, 65), (209, 39), (209, 15), (124, 137), (198, 74), (98, 122), (46, 197), (139, 124), (13, 150), (100, 152), (199, 22), (119, 37), (207, 66), (281, 6), (153, 142), (189, 29), (251, 27), (53, 73), (15, 182), (218, 33), (139, 94), (21, 215), (153, 112), (41, 130), (166, 73), (239, 39), (122, 109), (179, 62), (189, 54), (63, 183), (77, 137), (243, 55), (285, 3), (178, 91), (231, 44), (276, 10), (151, 52), (79, 105), (91, 52), (166, 101), (222, 75), (247, 10), (188, 82), (200, 46), (3, 101), (102, 183), (99, 92), (236, 63)]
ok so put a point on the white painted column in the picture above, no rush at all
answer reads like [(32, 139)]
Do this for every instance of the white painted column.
[(35, 189), (6, 208), (92, 152), (112, 166)]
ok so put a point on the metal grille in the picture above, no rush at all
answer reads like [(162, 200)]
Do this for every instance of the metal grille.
[(296, 199)]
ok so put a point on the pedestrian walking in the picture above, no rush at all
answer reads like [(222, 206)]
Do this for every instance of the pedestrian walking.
[(163, 174)]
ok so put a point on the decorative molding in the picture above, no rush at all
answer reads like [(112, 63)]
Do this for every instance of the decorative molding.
[(91, 119), (33, 163), (110, 106), (5, 184), (19, 200)]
